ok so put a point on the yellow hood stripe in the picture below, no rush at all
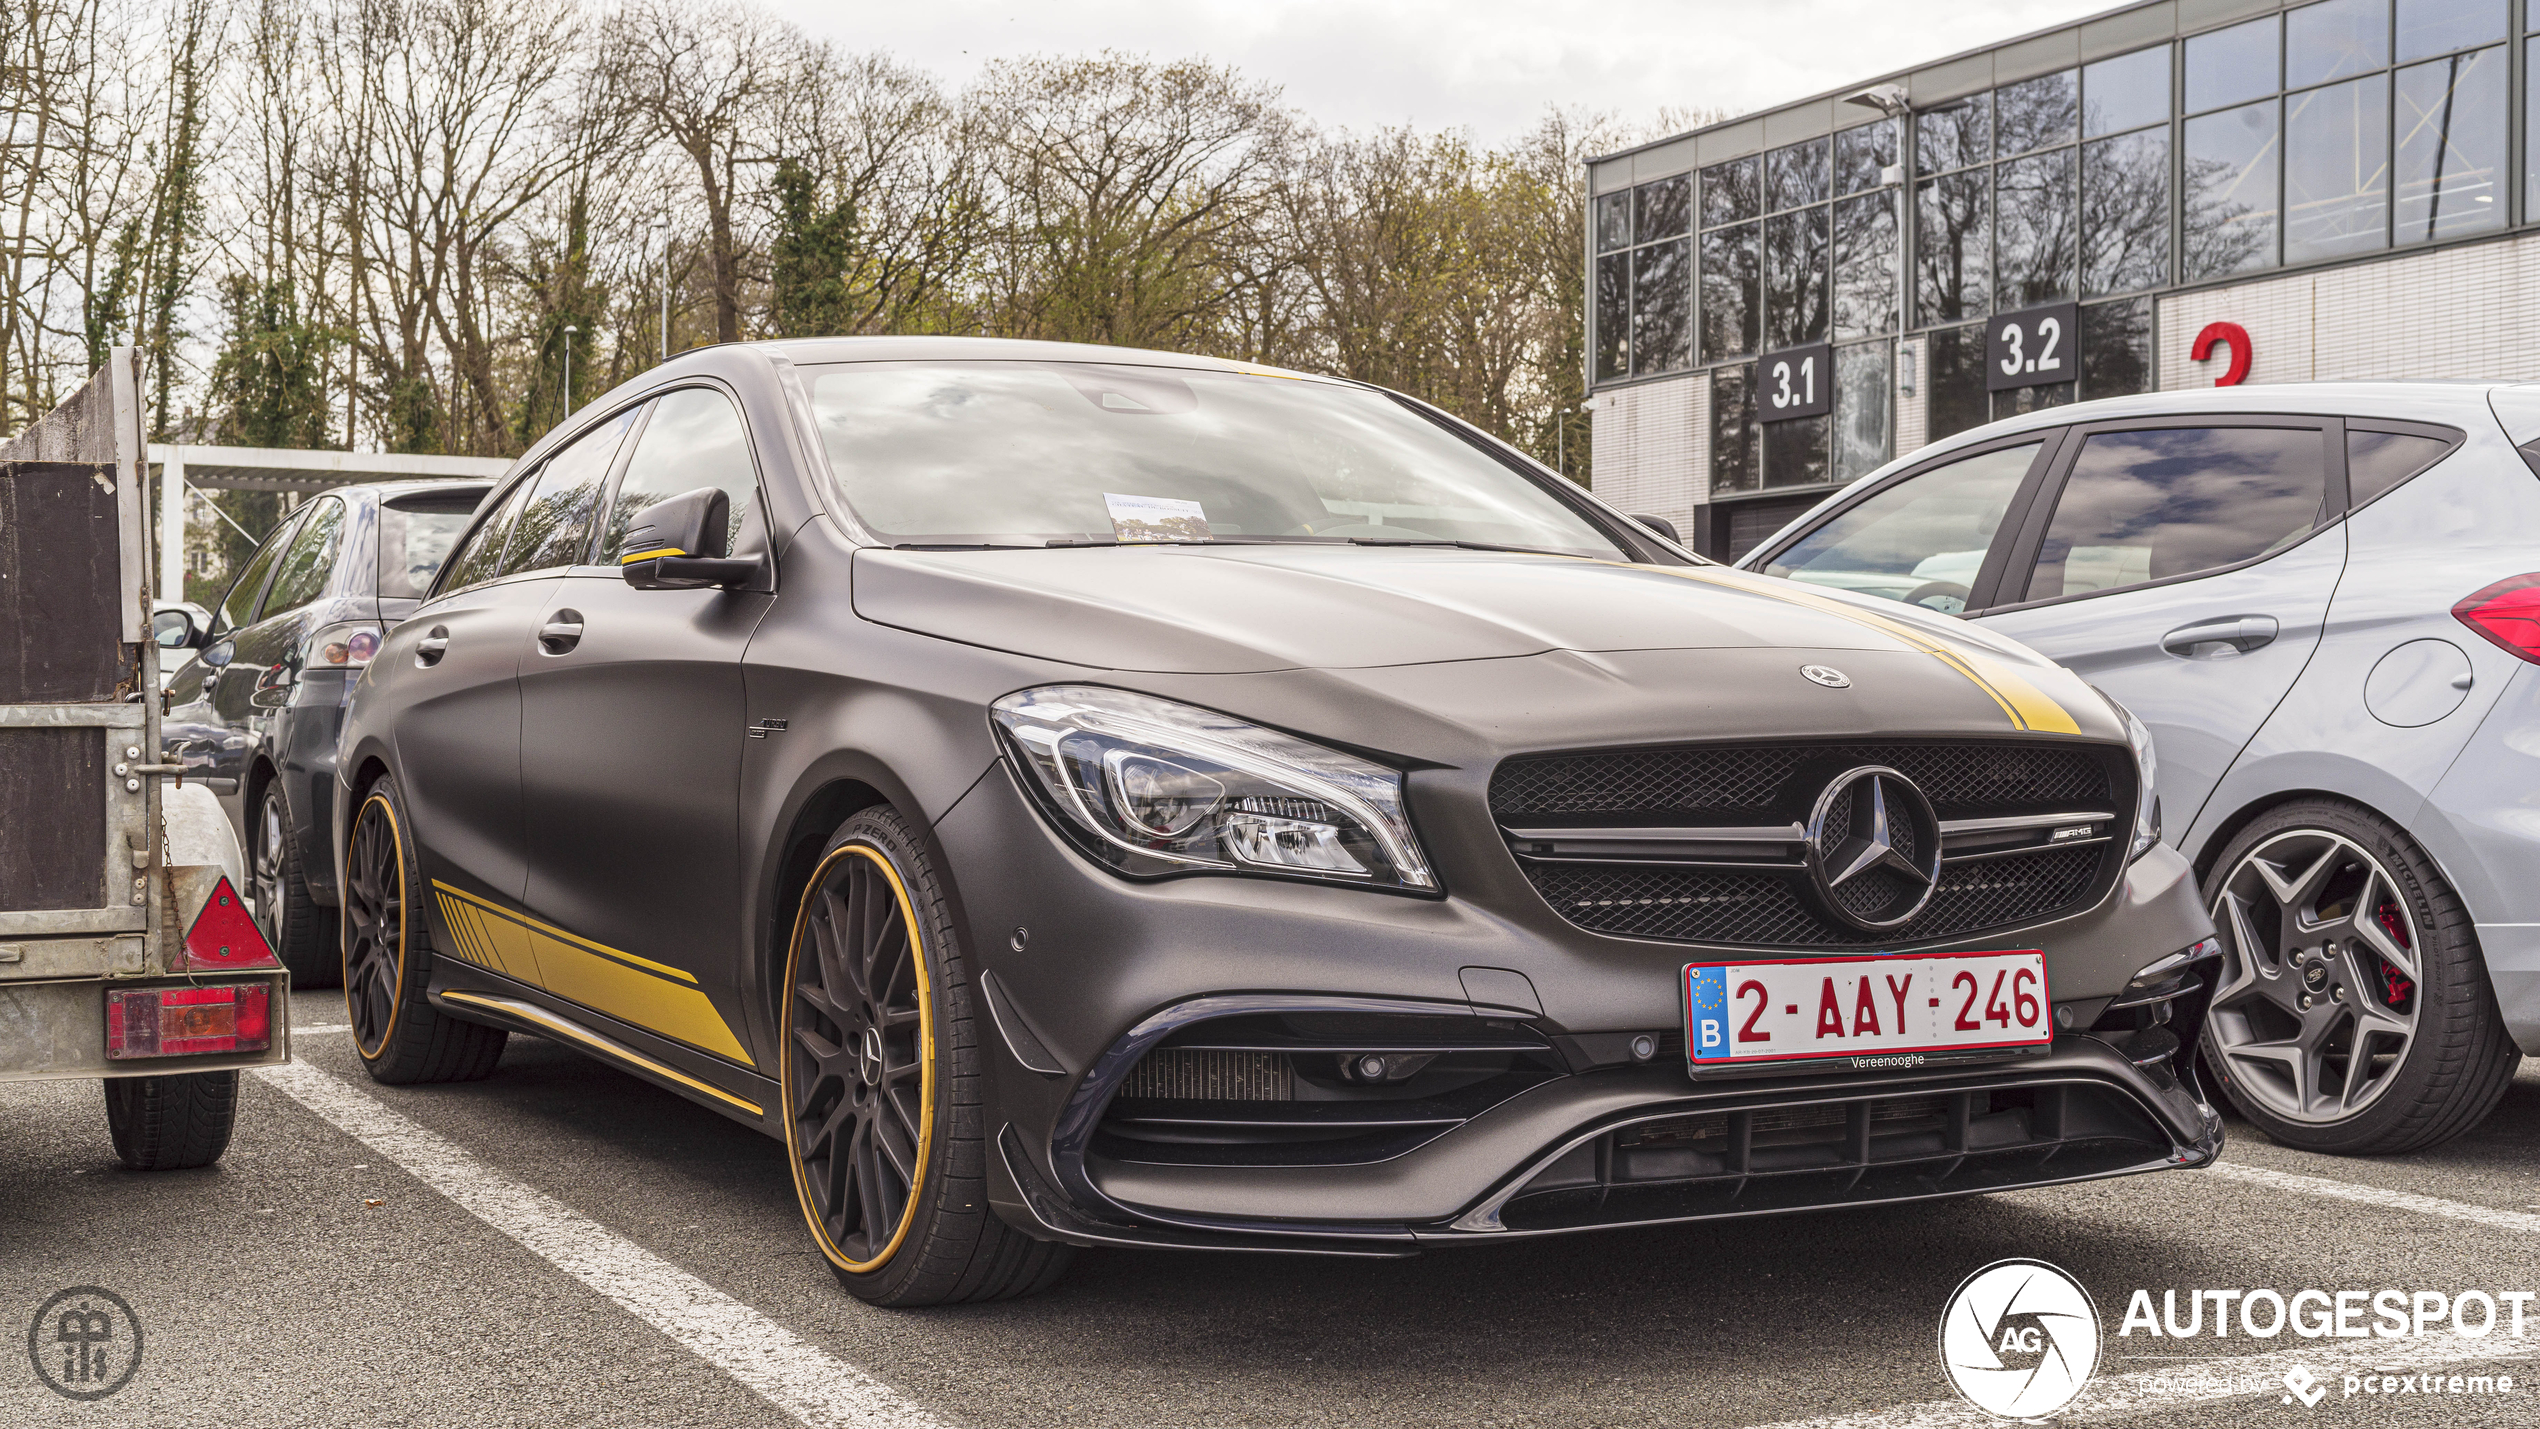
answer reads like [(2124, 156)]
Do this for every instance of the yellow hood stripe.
[(2023, 703)]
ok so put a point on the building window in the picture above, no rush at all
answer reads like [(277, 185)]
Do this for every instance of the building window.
[(2127, 92), (2234, 66), (1795, 278), (1954, 396), (2450, 153), (1733, 457), (1644, 278), (2337, 169), (2033, 223), (1863, 421), (2230, 208), (2125, 213), (1729, 299), (2116, 349), (1867, 244), (1953, 259)]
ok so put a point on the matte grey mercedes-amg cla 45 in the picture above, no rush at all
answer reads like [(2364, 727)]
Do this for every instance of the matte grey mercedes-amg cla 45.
[(1080, 797)]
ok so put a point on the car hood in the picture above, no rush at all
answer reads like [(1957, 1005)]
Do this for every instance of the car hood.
[(1188, 610)]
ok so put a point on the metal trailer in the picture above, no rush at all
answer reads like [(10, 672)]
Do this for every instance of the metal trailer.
[(126, 950)]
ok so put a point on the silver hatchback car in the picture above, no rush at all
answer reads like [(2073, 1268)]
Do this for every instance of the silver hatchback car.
[(2324, 600)]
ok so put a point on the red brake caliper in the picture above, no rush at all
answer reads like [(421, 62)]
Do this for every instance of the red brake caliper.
[(2393, 982)]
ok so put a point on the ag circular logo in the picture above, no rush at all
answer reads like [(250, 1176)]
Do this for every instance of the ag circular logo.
[(2019, 1339), (85, 1342)]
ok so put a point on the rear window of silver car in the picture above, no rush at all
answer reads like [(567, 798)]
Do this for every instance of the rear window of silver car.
[(415, 536), (1023, 453)]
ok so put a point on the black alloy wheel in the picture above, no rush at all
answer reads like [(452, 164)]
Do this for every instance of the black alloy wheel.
[(294, 925), (387, 968), (2353, 1014), (877, 1048)]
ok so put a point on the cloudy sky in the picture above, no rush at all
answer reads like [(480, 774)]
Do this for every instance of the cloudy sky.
[(1487, 65)]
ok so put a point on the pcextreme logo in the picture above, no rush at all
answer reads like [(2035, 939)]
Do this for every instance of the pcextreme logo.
[(2019, 1339)]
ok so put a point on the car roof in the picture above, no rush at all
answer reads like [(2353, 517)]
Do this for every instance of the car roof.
[(815, 350)]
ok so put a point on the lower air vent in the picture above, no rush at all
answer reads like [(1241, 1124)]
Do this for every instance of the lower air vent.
[(1176, 1074)]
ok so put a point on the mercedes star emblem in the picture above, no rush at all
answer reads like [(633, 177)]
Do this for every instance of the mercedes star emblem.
[(1828, 676), (1873, 848)]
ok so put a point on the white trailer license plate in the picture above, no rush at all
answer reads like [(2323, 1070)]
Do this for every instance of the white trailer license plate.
[(1790, 1009)]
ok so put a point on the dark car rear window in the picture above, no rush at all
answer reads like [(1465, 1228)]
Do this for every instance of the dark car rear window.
[(415, 536)]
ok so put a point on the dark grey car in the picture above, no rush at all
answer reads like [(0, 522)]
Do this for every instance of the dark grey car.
[(255, 713), (1085, 797)]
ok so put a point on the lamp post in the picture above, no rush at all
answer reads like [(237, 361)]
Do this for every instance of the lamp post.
[(569, 330)]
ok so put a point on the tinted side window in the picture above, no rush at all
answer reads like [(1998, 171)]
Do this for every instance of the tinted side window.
[(482, 557), (415, 536), (2378, 461), (2171, 501), (555, 527), (694, 439), (302, 576), (239, 606), (1921, 540)]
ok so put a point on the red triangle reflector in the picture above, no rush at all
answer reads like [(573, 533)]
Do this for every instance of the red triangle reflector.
[(223, 936)]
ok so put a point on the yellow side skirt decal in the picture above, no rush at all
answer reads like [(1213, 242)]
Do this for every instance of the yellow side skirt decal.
[(653, 996), (585, 1037)]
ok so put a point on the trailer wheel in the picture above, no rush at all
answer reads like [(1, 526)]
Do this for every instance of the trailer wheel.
[(172, 1123)]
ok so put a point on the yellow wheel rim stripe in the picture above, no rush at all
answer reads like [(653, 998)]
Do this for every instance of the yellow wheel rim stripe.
[(925, 1058)]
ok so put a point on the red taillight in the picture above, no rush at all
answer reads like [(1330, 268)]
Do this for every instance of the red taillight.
[(187, 1021), (224, 937), (2507, 613)]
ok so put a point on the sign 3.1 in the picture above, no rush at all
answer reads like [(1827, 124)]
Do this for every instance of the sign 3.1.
[(1794, 382), (2032, 347)]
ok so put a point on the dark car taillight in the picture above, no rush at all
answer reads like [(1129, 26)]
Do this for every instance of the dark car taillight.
[(2508, 614)]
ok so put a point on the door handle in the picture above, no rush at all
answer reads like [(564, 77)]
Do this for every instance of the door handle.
[(561, 633), (429, 650), (2221, 639)]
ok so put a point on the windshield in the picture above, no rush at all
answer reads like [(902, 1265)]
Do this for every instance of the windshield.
[(1029, 453)]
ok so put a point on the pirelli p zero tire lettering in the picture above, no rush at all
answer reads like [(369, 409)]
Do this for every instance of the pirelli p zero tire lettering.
[(2353, 1014), (172, 1123), (300, 931), (401, 1036), (882, 1081)]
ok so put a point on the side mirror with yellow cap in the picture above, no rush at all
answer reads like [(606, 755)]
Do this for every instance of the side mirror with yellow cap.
[(684, 543)]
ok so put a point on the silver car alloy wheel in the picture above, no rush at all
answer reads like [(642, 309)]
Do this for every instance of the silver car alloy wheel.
[(2318, 1003), (265, 850)]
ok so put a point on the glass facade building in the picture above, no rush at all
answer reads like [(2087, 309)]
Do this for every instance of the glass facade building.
[(2155, 150)]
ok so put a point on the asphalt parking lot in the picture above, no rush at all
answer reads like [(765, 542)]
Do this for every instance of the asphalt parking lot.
[(562, 1244)]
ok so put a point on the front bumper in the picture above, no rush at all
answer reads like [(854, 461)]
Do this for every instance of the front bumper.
[(1082, 974)]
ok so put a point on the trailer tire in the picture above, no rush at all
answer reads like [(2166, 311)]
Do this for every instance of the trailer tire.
[(172, 1123)]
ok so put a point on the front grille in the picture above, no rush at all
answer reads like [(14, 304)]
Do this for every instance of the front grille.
[(1713, 905), (1852, 1151), (1177, 1074), (1721, 784), (1776, 785)]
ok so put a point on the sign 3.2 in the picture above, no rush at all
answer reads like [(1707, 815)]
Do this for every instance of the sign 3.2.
[(1794, 382), (2032, 347)]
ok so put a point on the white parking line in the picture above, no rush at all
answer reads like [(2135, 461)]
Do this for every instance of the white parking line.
[(2223, 1377), (815, 1388), (321, 1029), (2322, 1186)]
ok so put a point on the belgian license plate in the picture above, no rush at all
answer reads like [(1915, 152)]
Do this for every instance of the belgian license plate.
[(1796, 1009)]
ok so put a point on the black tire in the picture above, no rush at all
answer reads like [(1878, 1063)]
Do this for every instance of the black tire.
[(303, 934), (880, 1033), (402, 1038), (172, 1123), (2457, 1059)]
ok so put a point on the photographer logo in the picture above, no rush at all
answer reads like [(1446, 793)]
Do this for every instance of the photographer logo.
[(2019, 1339), (85, 1343)]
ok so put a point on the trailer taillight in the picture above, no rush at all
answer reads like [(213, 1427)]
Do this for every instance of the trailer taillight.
[(224, 938), (2507, 613), (188, 1021)]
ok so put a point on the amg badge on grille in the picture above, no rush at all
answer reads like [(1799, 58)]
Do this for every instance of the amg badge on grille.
[(1828, 676), (1873, 848)]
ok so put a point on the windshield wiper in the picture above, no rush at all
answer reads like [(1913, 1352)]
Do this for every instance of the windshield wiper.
[(1461, 545)]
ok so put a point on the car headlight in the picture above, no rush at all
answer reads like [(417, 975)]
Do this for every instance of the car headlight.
[(1151, 786), (2147, 799)]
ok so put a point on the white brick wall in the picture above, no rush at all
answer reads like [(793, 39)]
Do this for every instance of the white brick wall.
[(1653, 448), (2449, 312)]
